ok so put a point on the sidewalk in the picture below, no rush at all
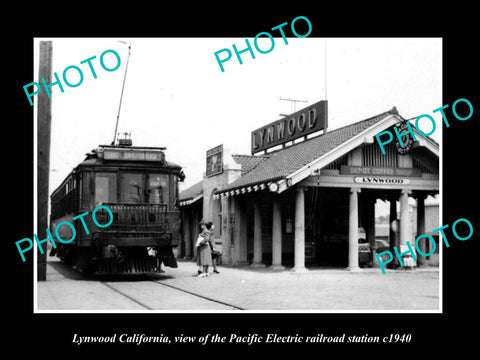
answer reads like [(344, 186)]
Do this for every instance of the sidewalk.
[(317, 289)]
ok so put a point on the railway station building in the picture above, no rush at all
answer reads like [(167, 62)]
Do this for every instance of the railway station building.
[(305, 196)]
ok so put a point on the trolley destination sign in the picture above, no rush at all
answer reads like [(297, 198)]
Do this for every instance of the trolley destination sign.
[(308, 120), (129, 155)]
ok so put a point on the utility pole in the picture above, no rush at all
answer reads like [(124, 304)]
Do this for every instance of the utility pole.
[(44, 114)]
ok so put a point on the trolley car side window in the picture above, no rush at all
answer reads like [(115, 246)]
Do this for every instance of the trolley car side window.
[(87, 178)]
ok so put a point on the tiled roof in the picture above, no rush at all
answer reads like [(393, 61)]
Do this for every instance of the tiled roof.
[(247, 162), (192, 192), (280, 164)]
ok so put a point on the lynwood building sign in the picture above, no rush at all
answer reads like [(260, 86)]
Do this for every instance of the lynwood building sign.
[(301, 123)]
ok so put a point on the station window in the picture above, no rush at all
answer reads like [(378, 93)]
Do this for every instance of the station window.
[(105, 188), (288, 214)]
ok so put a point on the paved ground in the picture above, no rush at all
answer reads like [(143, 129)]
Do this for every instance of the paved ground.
[(245, 288)]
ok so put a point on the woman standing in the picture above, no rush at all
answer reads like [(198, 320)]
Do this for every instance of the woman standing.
[(204, 255), (211, 242)]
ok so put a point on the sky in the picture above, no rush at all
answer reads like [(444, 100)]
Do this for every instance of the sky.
[(176, 96)]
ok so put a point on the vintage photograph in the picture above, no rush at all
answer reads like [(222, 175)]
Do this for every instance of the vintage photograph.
[(302, 179)]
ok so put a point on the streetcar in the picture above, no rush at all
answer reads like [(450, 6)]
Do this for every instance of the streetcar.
[(140, 188)]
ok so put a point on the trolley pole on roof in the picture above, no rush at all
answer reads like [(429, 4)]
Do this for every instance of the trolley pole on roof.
[(121, 95), (44, 113)]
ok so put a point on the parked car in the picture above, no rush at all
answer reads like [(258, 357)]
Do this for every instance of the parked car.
[(381, 245)]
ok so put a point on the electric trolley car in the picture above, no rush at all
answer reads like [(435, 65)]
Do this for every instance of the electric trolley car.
[(140, 188)]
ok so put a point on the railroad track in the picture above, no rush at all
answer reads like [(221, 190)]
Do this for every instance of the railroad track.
[(131, 298), (159, 283)]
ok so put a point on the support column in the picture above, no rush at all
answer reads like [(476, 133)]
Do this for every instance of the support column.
[(277, 236), (299, 256), (257, 235), (405, 228), (421, 260), (187, 233), (370, 228), (353, 231)]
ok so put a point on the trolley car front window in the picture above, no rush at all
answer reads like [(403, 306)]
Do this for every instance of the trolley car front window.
[(105, 188), (157, 188), (132, 190)]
